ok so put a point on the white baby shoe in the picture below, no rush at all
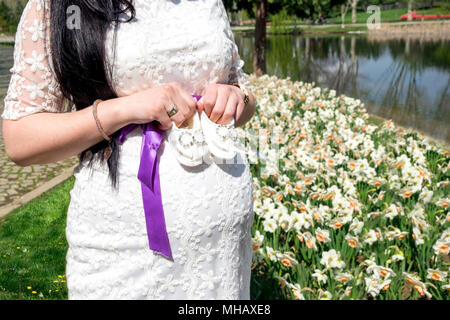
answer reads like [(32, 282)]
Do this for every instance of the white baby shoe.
[(220, 138), (200, 137), (189, 142)]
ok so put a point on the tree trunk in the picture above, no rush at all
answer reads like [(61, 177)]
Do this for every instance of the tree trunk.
[(343, 16), (409, 10), (354, 4), (259, 56)]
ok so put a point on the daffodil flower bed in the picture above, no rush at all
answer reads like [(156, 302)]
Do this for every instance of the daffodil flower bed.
[(344, 209)]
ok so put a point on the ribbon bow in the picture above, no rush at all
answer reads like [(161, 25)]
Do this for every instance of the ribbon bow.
[(148, 174)]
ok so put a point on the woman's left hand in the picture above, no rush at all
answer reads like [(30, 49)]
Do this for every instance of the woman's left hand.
[(222, 103)]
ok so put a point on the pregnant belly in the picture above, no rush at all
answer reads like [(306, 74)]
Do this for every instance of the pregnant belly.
[(197, 202)]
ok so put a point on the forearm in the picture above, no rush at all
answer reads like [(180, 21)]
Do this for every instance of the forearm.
[(49, 137), (248, 112)]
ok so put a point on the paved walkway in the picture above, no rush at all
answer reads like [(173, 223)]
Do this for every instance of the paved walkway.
[(18, 183)]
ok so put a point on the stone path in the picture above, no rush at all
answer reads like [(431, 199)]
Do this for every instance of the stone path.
[(16, 181)]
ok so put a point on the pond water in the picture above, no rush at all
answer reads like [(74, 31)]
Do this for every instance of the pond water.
[(406, 80)]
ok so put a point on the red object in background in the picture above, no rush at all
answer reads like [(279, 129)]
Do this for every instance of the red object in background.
[(405, 16), (247, 22), (416, 16), (268, 22)]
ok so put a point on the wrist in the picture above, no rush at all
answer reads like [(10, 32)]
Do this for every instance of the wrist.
[(248, 111), (122, 109), (113, 114), (245, 91)]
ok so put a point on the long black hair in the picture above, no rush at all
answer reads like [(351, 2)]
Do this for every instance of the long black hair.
[(79, 60)]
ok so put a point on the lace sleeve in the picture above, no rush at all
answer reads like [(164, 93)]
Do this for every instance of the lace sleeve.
[(33, 87), (237, 73)]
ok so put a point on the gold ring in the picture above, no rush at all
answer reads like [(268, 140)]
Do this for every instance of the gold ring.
[(172, 111)]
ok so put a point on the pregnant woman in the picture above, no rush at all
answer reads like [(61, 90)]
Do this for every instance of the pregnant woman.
[(147, 94)]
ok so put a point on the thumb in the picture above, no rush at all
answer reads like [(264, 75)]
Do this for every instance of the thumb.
[(200, 105)]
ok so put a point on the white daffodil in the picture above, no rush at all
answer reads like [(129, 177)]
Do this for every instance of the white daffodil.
[(271, 254), (257, 240), (325, 295), (270, 225), (320, 276), (343, 277), (332, 259), (370, 237), (356, 226), (391, 212), (375, 284), (322, 236), (441, 247), (436, 274), (296, 290)]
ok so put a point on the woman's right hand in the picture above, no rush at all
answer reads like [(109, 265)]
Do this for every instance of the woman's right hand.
[(153, 104)]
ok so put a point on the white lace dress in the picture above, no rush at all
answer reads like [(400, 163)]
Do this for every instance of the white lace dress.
[(208, 209)]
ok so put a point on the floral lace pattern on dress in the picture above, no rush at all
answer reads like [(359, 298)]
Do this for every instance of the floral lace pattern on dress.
[(33, 87), (208, 209)]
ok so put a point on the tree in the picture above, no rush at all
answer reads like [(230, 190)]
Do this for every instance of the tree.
[(354, 4), (410, 3), (259, 57), (259, 9), (345, 5), (10, 14), (3, 24)]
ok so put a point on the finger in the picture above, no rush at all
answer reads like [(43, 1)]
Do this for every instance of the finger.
[(200, 107), (209, 99), (165, 127), (165, 123), (219, 107), (178, 118), (230, 110), (239, 110), (189, 101), (184, 111)]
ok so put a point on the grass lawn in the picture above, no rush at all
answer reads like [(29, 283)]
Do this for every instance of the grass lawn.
[(33, 247)]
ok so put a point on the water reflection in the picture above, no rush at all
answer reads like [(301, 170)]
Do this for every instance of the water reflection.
[(407, 80)]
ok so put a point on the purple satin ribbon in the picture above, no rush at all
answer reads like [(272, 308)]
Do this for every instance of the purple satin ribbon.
[(148, 174)]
